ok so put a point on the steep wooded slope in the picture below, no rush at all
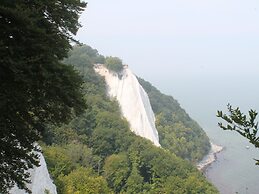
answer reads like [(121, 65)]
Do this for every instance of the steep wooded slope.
[(97, 152), (177, 131)]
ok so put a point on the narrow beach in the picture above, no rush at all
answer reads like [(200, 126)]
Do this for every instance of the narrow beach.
[(210, 158)]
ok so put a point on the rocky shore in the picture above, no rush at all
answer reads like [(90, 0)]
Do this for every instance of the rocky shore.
[(210, 158)]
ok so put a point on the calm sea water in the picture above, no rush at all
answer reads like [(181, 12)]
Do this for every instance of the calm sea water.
[(235, 170)]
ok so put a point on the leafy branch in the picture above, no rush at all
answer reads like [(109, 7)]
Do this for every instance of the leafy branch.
[(245, 125)]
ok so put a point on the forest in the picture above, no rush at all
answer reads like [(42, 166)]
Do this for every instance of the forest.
[(97, 153), (177, 131)]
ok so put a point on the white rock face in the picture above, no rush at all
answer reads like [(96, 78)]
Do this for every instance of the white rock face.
[(133, 100), (41, 182)]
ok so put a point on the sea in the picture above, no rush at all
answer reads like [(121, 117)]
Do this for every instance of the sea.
[(201, 96)]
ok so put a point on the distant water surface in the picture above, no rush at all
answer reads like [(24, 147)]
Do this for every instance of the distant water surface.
[(235, 169)]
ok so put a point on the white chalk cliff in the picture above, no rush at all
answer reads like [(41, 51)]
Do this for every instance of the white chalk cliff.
[(135, 107), (41, 182), (133, 100)]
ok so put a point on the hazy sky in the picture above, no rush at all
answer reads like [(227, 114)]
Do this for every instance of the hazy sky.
[(175, 37)]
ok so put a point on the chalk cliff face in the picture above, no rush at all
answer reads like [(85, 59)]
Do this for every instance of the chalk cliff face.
[(133, 100), (41, 182), (135, 107)]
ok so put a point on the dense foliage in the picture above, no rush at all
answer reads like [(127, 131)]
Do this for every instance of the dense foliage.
[(35, 87), (247, 126), (177, 131), (97, 153), (114, 64)]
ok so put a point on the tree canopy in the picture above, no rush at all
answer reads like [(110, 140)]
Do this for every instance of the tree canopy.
[(114, 64), (35, 87)]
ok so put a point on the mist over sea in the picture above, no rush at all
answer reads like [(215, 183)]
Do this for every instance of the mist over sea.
[(201, 96)]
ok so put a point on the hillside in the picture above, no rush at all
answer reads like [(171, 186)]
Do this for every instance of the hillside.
[(97, 152), (177, 131)]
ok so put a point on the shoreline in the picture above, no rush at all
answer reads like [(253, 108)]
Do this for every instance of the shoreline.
[(210, 157)]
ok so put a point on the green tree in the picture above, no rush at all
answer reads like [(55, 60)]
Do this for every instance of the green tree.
[(58, 161), (83, 181), (35, 87), (63, 159), (134, 183), (116, 171), (247, 126), (114, 64)]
